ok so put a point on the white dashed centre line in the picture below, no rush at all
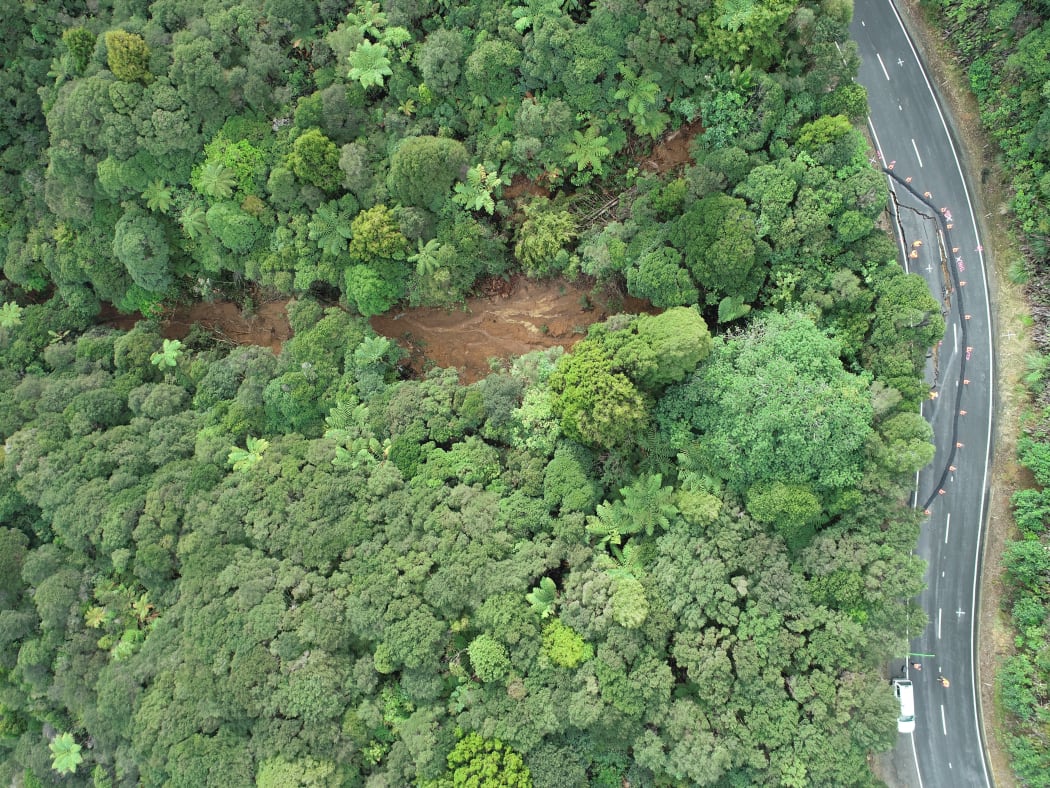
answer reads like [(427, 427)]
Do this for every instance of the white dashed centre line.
[(884, 71), (916, 149)]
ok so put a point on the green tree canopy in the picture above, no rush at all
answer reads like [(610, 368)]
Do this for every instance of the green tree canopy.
[(140, 243), (127, 56), (656, 350), (485, 763), (597, 404), (719, 238), (423, 169), (81, 45), (775, 406), (315, 160)]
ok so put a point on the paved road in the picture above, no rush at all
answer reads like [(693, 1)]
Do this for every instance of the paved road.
[(940, 240)]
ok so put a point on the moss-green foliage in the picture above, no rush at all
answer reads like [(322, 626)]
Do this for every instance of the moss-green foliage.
[(375, 234), (1003, 47), (236, 229), (544, 237), (719, 238), (659, 277), (315, 160), (564, 647), (488, 657), (140, 243), (793, 509), (486, 763), (243, 112), (1021, 681), (752, 409), (567, 482), (598, 404), (80, 42), (387, 553), (127, 56)]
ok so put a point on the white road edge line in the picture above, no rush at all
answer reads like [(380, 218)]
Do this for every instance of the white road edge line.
[(884, 71), (991, 376), (916, 149), (916, 756)]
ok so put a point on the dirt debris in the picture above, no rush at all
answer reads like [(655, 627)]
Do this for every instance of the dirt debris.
[(266, 326), (511, 317)]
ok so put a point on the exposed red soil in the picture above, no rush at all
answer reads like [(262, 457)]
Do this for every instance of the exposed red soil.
[(673, 150), (505, 319), (511, 319), (520, 185), (266, 327)]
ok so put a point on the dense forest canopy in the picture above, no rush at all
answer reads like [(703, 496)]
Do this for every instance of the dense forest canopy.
[(678, 555)]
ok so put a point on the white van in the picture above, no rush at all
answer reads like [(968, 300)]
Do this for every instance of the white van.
[(903, 690)]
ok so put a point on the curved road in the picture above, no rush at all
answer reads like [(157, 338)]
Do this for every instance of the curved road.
[(939, 239)]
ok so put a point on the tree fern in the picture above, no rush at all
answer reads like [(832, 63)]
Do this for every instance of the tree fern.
[(368, 17), (639, 91), (157, 196), (168, 355), (610, 522), (542, 597), (360, 451), (587, 150), (394, 37), (95, 616), (476, 192), (732, 308), (193, 221), (347, 413), (65, 754), (623, 562), (648, 504), (10, 315), (736, 14), (657, 452), (426, 260), (329, 229), (216, 180), (243, 459), (651, 124), (142, 607), (369, 64), (371, 350), (534, 11)]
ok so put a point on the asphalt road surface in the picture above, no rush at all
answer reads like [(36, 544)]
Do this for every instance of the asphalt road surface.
[(939, 239)]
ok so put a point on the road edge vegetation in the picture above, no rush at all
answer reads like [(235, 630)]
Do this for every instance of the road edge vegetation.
[(986, 75)]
